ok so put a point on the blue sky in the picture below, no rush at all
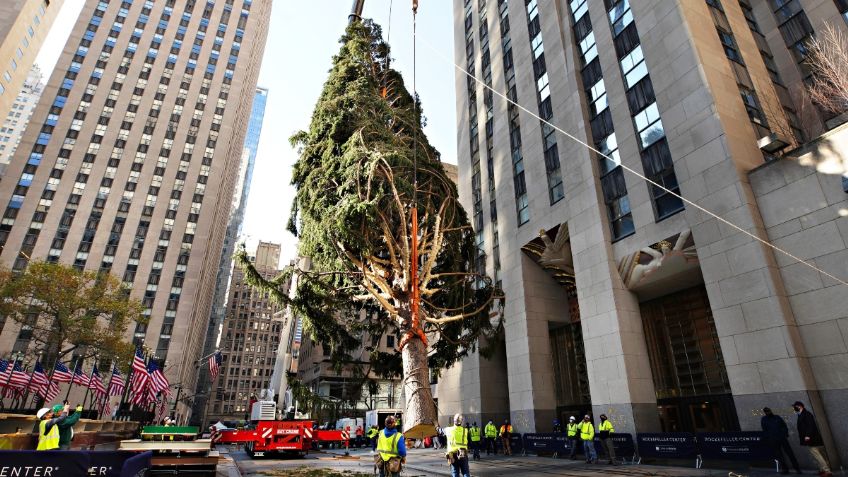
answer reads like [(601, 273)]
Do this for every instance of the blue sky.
[(303, 38)]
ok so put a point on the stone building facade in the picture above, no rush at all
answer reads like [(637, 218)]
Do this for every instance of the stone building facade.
[(131, 158), (249, 337), (20, 111), (622, 298)]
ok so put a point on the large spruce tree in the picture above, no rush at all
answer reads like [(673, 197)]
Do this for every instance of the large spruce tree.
[(356, 189)]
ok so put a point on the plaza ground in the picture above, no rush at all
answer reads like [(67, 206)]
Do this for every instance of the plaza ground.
[(429, 462)]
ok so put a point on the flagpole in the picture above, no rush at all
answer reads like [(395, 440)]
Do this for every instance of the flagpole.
[(73, 375), (108, 390), (49, 382), (88, 385), (126, 386), (25, 396)]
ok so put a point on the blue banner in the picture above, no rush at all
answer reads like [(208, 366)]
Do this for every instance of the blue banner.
[(549, 442), (677, 445), (621, 442), (73, 463), (748, 446)]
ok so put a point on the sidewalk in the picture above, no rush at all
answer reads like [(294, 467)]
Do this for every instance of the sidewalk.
[(432, 462)]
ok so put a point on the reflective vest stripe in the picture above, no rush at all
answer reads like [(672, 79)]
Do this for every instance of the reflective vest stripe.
[(587, 431), (388, 446), (606, 426), (475, 434), (457, 438), (572, 430)]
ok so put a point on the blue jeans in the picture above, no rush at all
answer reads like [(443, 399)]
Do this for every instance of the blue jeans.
[(460, 468), (589, 450)]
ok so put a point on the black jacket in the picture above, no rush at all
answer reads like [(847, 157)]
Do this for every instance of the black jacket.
[(807, 428), (774, 428)]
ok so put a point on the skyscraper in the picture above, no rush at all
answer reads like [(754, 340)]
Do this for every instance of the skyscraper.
[(231, 236), (630, 301), (23, 27), (131, 159), (21, 110), (250, 335)]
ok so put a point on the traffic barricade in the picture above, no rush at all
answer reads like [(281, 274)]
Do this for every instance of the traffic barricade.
[(673, 445), (546, 443)]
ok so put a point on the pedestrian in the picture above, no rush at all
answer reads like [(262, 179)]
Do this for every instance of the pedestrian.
[(437, 439), (391, 449), (359, 436), (776, 435), (475, 441), (66, 427), (587, 435), (808, 432), (506, 432), (571, 434), (48, 431), (491, 433), (457, 453), (372, 436), (605, 431), (557, 427)]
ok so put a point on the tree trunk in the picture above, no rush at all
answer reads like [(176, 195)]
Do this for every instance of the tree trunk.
[(420, 416)]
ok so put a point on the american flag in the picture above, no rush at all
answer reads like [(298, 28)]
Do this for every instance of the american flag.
[(39, 380), (116, 383), (95, 382), (158, 381), (19, 377), (162, 409), (215, 364), (80, 377), (140, 379), (61, 373), (50, 391), (4, 372), (106, 412)]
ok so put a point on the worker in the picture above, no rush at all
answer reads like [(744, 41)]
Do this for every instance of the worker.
[(359, 436), (557, 427), (571, 434), (392, 449), (48, 432), (372, 436), (605, 431), (506, 432), (457, 453), (66, 427), (474, 432), (491, 433), (587, 435)]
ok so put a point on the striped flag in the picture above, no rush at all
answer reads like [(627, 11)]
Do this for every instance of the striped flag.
[(80, 377), (215, 364), (50, 391), (140, 379), (39, 380), (61, 373), (95, 382), (116, 383), (106, 412), (161, 409), (4, 372), (19, 378), (158, 381)]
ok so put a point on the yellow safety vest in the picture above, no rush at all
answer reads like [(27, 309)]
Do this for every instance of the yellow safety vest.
[(457, 438), (388, 446), (506, 429), (572, 430), (491, 430), (475, 434), (587, 431), (49, 441), (372, 433), (606, 426)]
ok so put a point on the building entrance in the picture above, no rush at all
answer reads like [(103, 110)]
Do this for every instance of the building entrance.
[(690, 378), (571, 378)]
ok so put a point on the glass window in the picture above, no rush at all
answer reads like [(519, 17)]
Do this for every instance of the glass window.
[(633, 66), (649, 125)]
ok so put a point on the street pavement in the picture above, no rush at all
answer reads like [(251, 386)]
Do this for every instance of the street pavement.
[(430, 462)]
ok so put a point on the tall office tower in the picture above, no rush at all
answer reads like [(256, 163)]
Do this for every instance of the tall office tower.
[(132, 156), (630, 301), (20, 112), (24, 25), (231, 236), (250, 335)]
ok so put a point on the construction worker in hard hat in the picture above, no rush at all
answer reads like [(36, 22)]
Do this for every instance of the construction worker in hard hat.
[(48, 431)]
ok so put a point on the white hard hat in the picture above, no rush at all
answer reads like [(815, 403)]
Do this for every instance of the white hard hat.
[(41, 412)]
